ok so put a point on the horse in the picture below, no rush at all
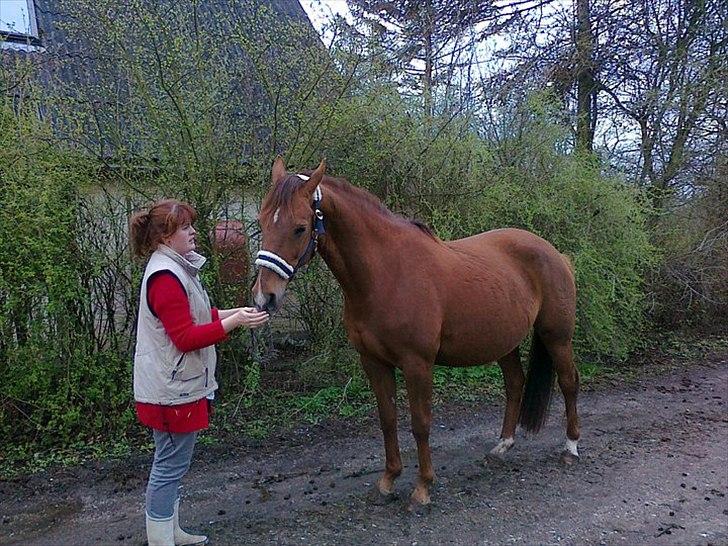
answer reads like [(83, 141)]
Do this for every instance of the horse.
[(412, 301)]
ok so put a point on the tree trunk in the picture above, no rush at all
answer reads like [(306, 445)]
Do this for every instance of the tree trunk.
[(586, 88), (429, 53)]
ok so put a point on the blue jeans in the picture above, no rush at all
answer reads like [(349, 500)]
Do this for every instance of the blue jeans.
[(172, 457)]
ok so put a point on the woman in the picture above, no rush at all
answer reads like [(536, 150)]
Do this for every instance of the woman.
[(174, 361)]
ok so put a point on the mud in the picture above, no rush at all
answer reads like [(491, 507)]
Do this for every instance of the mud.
[(653, 470)]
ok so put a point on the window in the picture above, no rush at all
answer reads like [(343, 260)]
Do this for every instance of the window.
[(18, 25)]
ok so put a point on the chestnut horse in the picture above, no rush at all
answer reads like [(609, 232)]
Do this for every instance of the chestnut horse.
[(412, 300)]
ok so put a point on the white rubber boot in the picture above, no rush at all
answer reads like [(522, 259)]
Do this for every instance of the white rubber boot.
[(160, 532), (182, 538)]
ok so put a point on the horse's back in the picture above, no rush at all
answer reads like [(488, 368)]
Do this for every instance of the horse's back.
[(512, 247), (503, 239), (526, 270)]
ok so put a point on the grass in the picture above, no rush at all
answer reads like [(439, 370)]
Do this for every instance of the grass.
[(30, 458), (256, 414)]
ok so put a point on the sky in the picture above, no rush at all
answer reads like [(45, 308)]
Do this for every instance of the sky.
[(14, 16), (320, 11)]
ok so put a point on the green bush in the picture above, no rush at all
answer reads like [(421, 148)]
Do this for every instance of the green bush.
[(689, 291), (58, 382), (68, 287), (462, 185)]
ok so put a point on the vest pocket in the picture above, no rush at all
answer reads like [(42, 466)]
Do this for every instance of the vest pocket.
[(187, 368)]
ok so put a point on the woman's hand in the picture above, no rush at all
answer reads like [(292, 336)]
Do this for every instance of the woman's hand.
[(244, 316), (225, 313), (251, 317)]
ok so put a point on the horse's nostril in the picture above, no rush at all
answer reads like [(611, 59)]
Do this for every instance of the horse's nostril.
[(270, 302)]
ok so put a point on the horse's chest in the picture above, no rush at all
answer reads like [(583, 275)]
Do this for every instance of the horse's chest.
[(355, 337), (390, 338), (361, 336)]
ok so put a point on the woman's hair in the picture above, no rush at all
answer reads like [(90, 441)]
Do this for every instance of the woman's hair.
[(147, 228)]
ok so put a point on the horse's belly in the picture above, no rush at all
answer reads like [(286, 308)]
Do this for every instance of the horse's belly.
[(462, 353), (487, 318), (479, 340)]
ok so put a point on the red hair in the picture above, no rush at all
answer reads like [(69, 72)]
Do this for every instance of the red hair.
[(148, 228)]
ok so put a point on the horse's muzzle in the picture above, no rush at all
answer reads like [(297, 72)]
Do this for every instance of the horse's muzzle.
[(269, 303)]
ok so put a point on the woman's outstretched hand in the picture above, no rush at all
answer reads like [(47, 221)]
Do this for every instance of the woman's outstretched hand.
[(252, 318), (243, 316)]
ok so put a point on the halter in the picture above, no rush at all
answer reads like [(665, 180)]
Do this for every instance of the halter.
[(275, 263)]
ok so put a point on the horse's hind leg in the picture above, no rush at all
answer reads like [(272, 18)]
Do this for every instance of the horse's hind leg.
[(562, 354), (513, 378), (381, 378)]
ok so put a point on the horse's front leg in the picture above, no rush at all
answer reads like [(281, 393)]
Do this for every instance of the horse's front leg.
[(381, 378), (418, 378)]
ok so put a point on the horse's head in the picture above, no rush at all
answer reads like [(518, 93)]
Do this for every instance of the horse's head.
[(287, 223)]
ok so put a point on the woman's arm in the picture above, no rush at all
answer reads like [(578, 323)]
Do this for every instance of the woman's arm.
[(225, 313), (169, 302)]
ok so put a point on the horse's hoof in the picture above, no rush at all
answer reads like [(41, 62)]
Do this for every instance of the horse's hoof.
[(417, 509), (419, 501), (568, 458), (496, 459), (380, 498), (493, 458), (501, 448)]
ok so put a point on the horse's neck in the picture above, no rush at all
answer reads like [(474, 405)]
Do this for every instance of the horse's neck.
[(356, 238)]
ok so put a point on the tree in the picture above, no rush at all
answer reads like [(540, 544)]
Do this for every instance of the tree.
[(586, 103), (428, 40), (663, 64), (644, 77)]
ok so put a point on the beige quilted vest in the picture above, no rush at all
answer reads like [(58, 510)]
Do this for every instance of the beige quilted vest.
[(162, 373)]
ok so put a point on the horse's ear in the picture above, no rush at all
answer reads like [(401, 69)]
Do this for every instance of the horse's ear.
[(316, 177), (278, 172)]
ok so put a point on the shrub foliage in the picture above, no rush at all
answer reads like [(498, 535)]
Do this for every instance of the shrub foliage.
[(169, 117)]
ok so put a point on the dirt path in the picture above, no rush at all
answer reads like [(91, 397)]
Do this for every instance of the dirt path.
[(653, 470)]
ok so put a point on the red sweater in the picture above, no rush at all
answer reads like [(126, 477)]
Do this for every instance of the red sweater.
[(168, 301)]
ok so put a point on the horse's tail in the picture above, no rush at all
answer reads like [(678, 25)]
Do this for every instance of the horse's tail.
[(539, 386)]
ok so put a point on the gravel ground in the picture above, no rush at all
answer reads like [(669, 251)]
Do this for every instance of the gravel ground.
[(653, 470)]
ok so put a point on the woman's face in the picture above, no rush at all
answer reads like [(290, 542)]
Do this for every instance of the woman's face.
[(182, 241)]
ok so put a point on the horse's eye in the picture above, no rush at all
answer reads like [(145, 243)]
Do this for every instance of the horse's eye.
[(299, 230)]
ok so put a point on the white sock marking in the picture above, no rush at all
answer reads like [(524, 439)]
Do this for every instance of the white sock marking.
[(503, 445)]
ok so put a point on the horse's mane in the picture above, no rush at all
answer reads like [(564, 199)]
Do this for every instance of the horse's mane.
[(283, 194), (423, 227), (371, 202)]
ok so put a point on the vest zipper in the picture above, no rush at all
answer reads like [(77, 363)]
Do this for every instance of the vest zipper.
[(176, 366), (206, 370)]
